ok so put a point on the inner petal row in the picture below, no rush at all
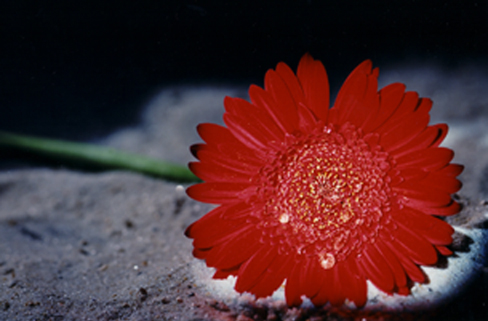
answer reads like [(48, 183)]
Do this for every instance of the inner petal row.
[(326, 194)]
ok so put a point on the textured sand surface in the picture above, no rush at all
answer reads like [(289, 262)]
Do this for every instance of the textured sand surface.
[(110, 246)]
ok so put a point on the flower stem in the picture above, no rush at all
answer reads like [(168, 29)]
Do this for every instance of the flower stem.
[(99, 156)]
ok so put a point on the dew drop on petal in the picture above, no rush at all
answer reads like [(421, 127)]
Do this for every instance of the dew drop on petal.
[(327, 261), (284, 218)]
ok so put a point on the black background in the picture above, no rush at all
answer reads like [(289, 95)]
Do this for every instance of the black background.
[(80, 69)]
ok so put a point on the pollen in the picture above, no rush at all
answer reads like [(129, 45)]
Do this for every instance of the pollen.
[(325, 190)]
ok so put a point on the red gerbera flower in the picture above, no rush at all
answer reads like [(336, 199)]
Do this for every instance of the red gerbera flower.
[(324, 198)]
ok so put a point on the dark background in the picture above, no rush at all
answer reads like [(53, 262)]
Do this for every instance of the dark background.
[(80, 69)]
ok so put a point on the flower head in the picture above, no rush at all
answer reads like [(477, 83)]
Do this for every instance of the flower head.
[(324, 198)]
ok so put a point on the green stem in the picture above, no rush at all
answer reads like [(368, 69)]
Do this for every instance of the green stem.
[(92, 155)]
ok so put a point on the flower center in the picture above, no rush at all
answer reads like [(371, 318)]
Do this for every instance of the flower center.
[(326, 195)]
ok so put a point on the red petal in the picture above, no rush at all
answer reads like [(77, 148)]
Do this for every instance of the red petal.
[(315, 85), (442, 134), (404, 291), (196, 148), (222, 144), (370, 103), (413, 174), (411, 104), (273, 277), (245, 132), (265, 102), (251, 116), (443, 250), (337, 295), (415, 192), (200, 254), (291, 82), (236, 250), (326, 290), (424, 106), (284, 104), (452, 170), (414, 272), (428, 159), (217, 192), (306, 119), (254, 268), (311, 277), (393, 263), (403, 132), (353, 284), (432, 136), (404, 111), (238, 211), (417, 247), (357, 97), (224, 274), (220, 233), (216, 173), (451, 209), (389, 100), (216, 134), (431, 228), (376, 269), (292, 287), (216, 226), (235, 161), (210, 218), (442, 182)]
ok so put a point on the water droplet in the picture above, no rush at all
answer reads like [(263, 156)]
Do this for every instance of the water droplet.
[(327, 261), (284, 218)]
